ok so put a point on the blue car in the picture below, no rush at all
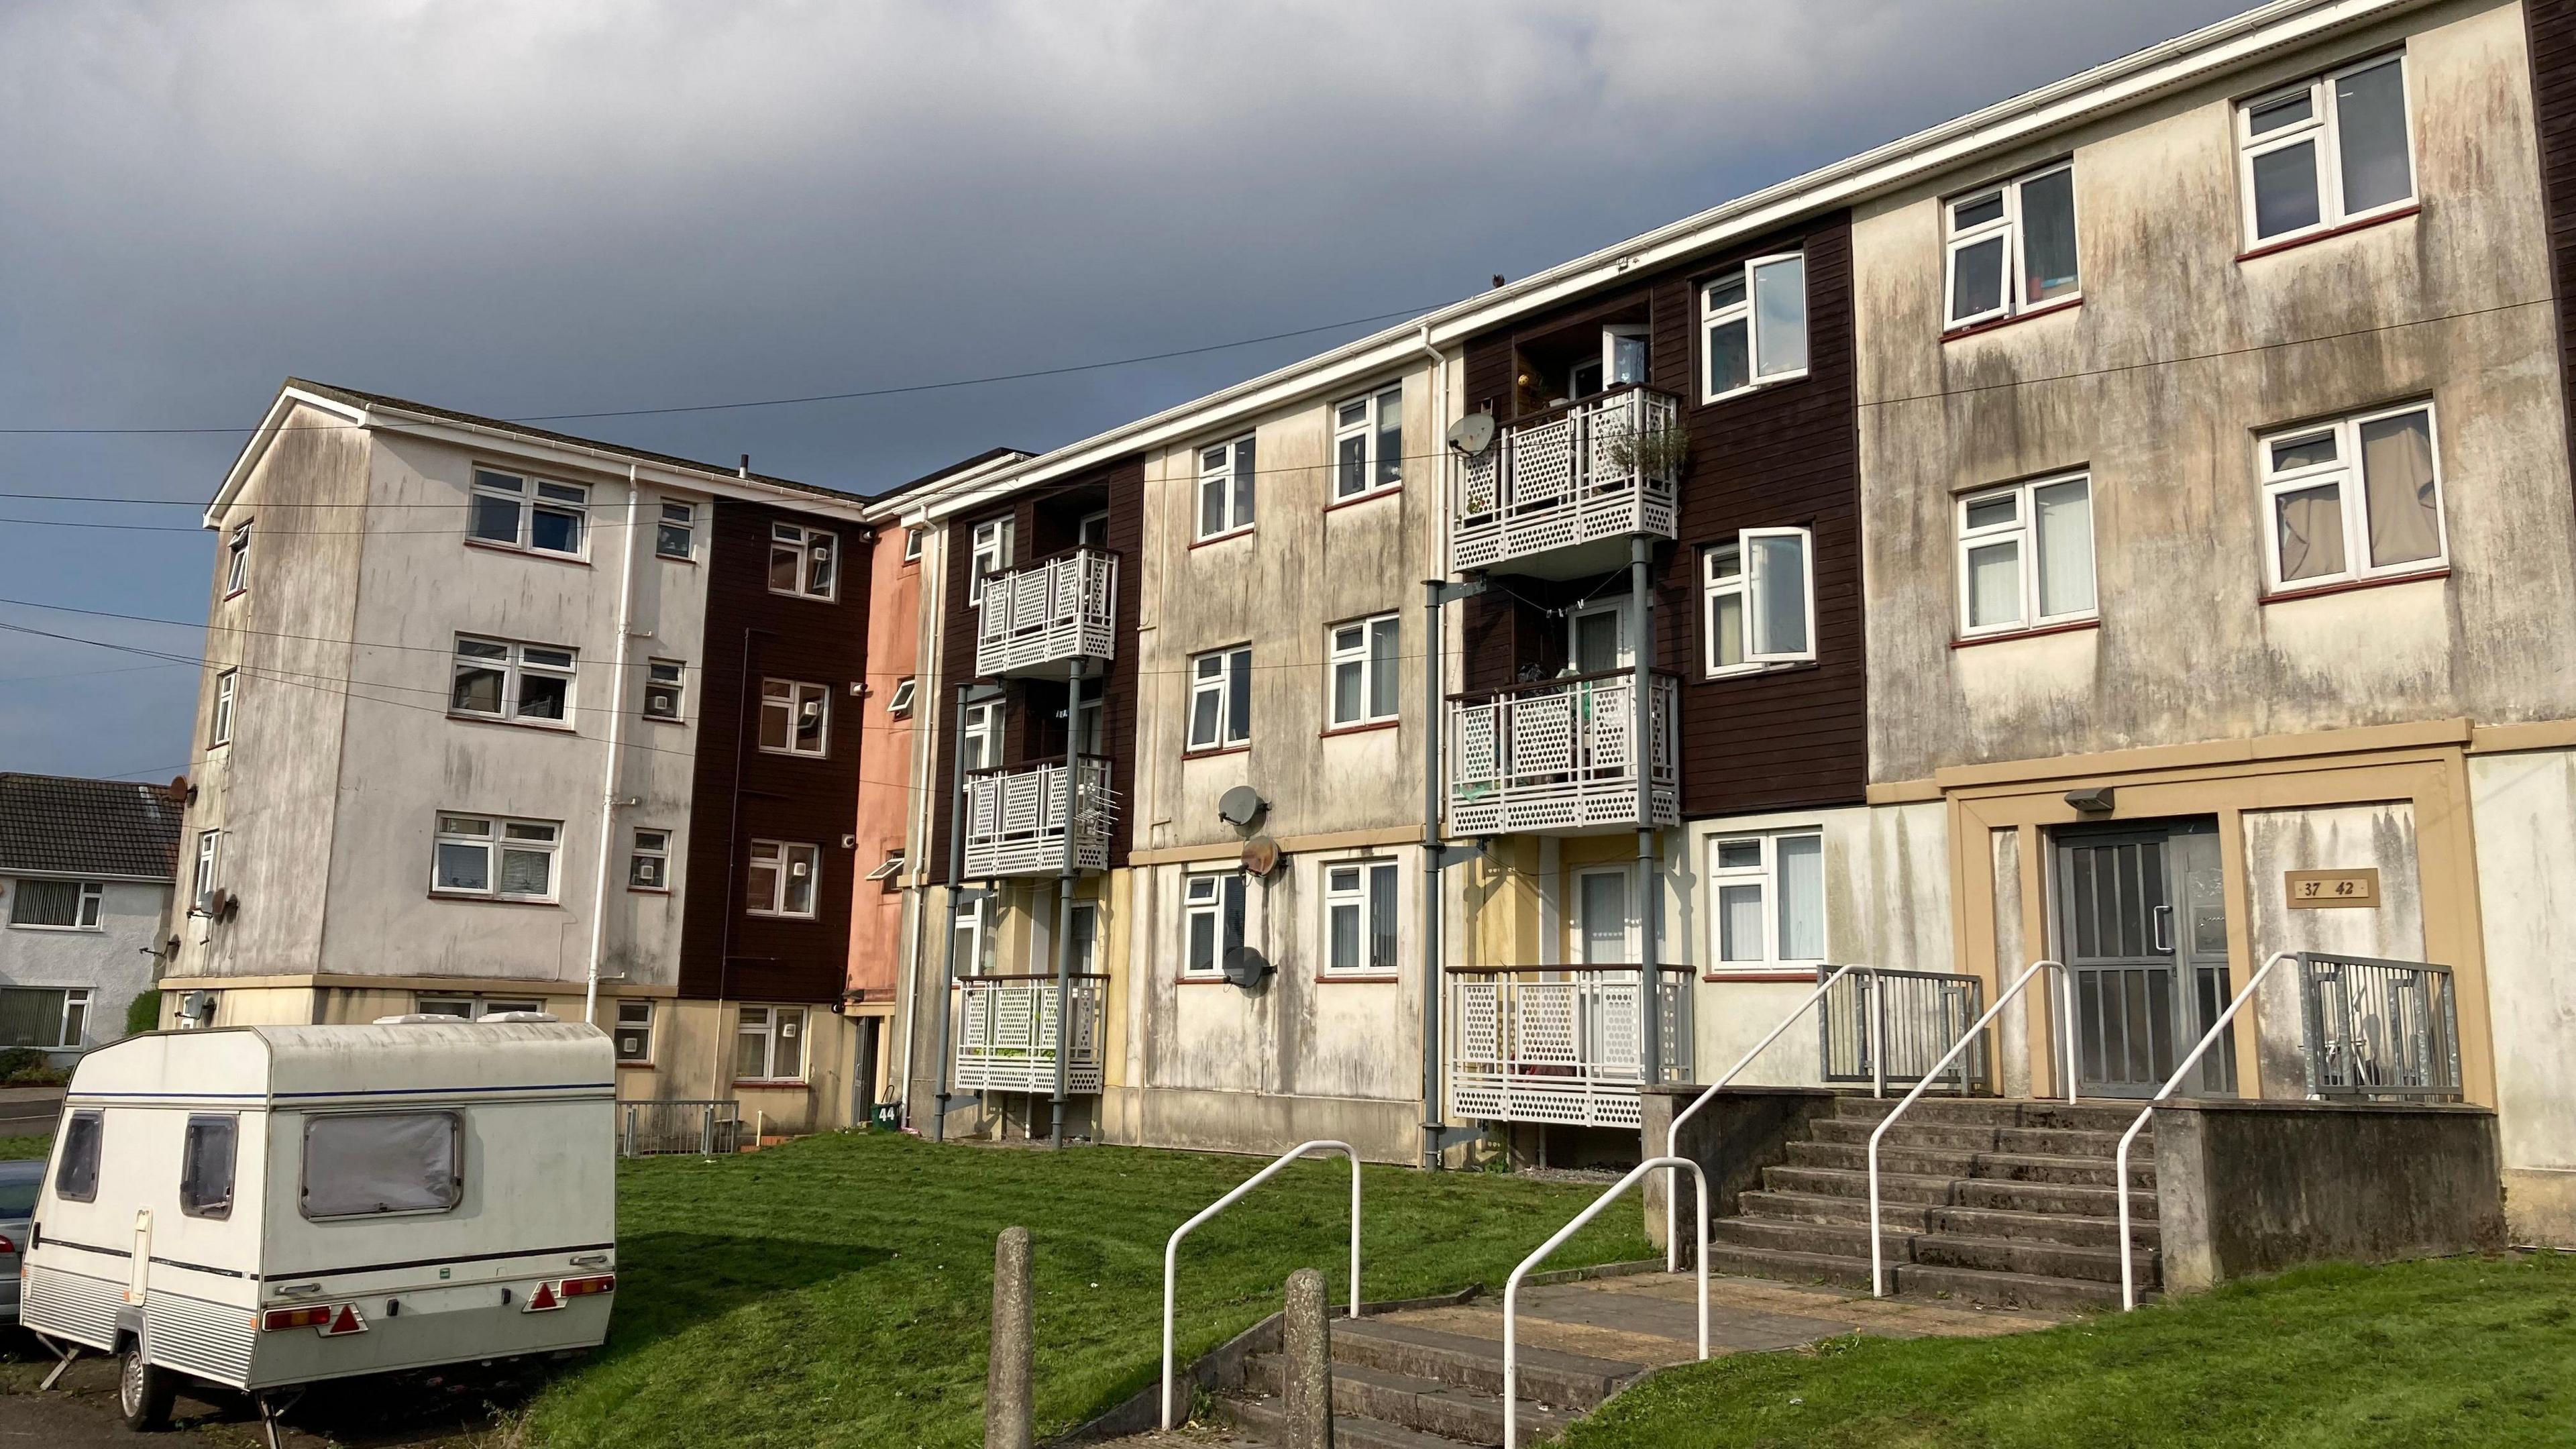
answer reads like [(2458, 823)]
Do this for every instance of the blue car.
[(18, 1184)]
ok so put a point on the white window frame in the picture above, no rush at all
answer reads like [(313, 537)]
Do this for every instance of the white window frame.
[(1742, 310), (1739, 585), (642, 1008), (817, 551), (530, 496), (2013, 296), (1230, 663), (983, 731), (989, 553), (476, 1007), (968, 915), (1351, 888), (2354, 495), (899, 703), (1765, 876), (2324, 126), (793, 697), (2024, 528), (1369, 429), (669, 677), (912, 537), (88, 906), (202, 883), (777, 1024), (651, 853), (515, 666), (780, 859), (1361, 655), (680, 519), (1204, 896), (1230, 470), (220, 728), (498, 844), (237, 561)]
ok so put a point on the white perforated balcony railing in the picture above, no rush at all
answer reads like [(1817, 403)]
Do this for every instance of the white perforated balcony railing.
[(1560, 1045), (1006, 1034), (1603, 468), (1015, 821), (1559, 757), (1047, 612)]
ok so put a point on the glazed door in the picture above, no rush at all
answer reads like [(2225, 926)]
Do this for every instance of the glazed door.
[(2116, 935)]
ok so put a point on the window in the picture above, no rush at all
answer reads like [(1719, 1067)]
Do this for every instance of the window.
[(782, 879), (1770, 902), (2012, 246), (1368, 444), (634, 1034), (1225, 488), (648, 866), (221, 733), (912, 542), (1221, 699), (899, 703), (374, 1164), (991, 555), (2326, 151), (1760, 600), (795, 719), (206, 1166), (967, 937), (983, 737), (666, 689), (1360, 916), (676, 536), (473, 1008), (48, 1018), (465, 862), (2026, 555), (1083, 942), (888, 868), (1753, 321), (769, 1044), (1213, 908), (1361, 659), (76, 1171), (237, 561), (57, 905), (528, 513), (499, 680), (202, 885), (801, 561), (2324, 525)]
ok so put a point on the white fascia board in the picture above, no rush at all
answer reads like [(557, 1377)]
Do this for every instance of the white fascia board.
[(914, 507), (2116, 85), (713, 481), (266, 433)]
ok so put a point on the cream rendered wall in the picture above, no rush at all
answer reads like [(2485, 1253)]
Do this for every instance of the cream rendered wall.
[(2526, 834), (2349, 837)]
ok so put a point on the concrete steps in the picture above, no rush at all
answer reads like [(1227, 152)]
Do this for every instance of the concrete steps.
[(1406, 1386)]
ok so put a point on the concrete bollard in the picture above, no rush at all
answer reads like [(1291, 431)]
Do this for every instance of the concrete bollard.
[(1306, 1388), (1008, 1400)]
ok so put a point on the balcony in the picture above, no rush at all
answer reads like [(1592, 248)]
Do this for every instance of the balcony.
[(1015, 820), (1527, 1044), (1046, 613), (1556, 496), (1006, 1034), (1559, 757)]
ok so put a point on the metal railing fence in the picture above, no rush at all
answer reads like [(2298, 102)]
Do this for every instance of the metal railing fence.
[(669, 1126), (2380, 1029), (1912, 1017)]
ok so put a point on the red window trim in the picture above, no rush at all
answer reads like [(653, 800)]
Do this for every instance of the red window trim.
[(1368, 727), (2346, 586), (1369, 495), (2344, 229), (1990, 324), (2069, 628)]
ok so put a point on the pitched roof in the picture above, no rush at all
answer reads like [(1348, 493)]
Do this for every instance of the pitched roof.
[(64, 826)]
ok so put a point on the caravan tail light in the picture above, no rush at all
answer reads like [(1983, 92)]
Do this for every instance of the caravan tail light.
[(316, 1316), (6, 1246), (584, 1287)]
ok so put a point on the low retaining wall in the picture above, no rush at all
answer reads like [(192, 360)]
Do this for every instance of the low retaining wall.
[(1741, 1131)]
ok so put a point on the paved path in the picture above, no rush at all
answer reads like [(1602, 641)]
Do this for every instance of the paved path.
[(28, 1111)]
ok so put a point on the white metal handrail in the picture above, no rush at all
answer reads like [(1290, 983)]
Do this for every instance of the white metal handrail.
[(1172, 1249), (2120, 1169), (1976, 1029), (1512, 1289)]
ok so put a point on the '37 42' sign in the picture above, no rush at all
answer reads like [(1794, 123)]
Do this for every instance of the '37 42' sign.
[(2319, 889)]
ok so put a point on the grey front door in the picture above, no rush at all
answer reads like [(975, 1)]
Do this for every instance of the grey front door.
[(2142, 925)]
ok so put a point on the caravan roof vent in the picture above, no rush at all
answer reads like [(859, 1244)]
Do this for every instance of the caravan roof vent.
[(411, 1018)]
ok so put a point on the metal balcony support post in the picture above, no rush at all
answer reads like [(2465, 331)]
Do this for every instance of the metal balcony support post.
[(1065, 879), (1649, 889), (956, 883)]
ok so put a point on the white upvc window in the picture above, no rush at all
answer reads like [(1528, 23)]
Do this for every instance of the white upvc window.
[(2356, 498), (967, 938), (983, 728), (783, 878), (634, 1034), (1759, 600), (675, 536), (990, 554), (804, 561), (1221, 698), (1212, 921), (1768, 894), (666, 689), (795, 718), (912, 538), (1368, 443), (496, 679), (2026, 556), (1360, 917), (648, 865), (1225, 488), (1753, 325), (511, 510), (237, 560), (899, 703), (48, 1018), (474, 1008), (2331, 149), (57, 905), (201, 883), (2012, 246), (220, 729), (1360, 658), (769, 1044), (485, 855)]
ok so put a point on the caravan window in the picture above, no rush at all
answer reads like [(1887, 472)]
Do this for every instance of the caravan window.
[(361, 1164), (206, 1167), (76, 1179)]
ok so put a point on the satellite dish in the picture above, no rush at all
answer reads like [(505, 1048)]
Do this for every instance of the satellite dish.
[(1472, 434), (1260, 855), (1245, 967), (1241, 806)]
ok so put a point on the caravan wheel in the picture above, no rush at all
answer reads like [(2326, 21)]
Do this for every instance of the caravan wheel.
[(144, 1391)]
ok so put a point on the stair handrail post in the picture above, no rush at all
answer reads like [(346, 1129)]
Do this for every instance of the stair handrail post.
[(1876, 1021), (1673, 1133), (1976, 1029), (1512, 1288), (1172, 1248), (2120, 1160)]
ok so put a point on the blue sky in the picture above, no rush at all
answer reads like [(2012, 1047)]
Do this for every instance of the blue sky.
[(518, 209)]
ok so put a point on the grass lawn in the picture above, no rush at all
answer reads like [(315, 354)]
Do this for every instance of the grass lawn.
[(836, 1291), (2463, 1351), (14, 1148)]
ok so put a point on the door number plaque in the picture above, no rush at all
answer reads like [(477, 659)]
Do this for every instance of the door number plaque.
[(2325, 889)]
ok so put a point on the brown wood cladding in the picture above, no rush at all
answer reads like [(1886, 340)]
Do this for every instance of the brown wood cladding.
[(1787, 455), (738, 794), (2551, 31)]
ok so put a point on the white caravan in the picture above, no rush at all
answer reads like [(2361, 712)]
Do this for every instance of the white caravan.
[(266, 1206)]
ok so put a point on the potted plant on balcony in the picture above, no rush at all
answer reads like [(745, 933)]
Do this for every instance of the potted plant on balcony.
[(1648, 450)]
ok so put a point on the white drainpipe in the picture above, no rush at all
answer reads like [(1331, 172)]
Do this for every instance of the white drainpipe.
[(616, 743)]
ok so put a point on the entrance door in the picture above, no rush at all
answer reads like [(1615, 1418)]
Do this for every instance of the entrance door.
[(1597, 638), (2142, 925), (1604, 904)]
